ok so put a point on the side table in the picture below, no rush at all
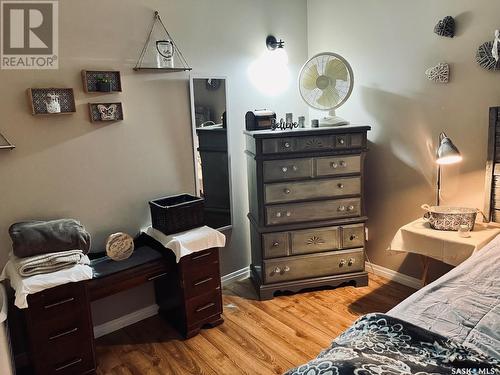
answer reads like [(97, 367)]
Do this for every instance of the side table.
[(448, 247)]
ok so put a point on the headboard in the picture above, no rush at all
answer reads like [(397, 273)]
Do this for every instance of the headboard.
[(492, 188)]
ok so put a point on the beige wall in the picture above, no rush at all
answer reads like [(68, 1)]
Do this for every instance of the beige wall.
[(390, 43), (104, 175)]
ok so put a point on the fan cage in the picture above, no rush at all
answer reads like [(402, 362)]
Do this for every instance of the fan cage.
[(343, 87)]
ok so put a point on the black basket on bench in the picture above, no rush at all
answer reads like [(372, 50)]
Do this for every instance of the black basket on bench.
[(177, 213)]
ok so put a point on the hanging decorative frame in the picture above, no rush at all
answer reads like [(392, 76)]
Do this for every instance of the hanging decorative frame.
[(106, 112), (101, 81), (7, 145), (52, 101), (169, 57), (487, 55)]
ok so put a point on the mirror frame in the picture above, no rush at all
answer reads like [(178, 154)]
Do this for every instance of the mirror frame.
[(192, 77)]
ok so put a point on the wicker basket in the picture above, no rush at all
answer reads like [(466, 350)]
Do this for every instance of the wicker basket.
[(449, 218), (177, 213)]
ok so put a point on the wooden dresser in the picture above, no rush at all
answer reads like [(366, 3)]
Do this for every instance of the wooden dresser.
[(306, 208), (54, 335)]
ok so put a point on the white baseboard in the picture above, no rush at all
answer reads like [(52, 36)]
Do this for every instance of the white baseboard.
[(125, 320), (236, 276), (392, 275), (149, 311)]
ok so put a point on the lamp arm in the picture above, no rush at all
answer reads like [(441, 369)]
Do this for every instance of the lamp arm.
[(438, 185)]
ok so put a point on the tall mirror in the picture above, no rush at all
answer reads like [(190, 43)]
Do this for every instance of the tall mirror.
[(208, 113)]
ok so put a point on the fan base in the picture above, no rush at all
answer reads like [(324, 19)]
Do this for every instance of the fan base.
[(332, 121)]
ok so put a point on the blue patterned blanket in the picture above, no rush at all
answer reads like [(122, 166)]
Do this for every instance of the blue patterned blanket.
[(378, 344)]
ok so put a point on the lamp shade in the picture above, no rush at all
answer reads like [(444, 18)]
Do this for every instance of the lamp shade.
[(447, 152)]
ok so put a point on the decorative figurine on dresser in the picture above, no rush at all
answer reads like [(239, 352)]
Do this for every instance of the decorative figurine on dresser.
[(306, 208)]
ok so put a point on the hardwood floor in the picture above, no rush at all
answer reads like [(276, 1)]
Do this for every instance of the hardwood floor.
[(256, 337)]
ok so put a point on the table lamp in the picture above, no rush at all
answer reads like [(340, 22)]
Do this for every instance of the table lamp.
[(447, 153)]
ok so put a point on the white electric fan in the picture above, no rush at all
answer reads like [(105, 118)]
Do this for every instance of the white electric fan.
[(325, 83)]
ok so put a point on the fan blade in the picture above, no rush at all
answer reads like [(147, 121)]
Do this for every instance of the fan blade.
[(309, 77), (330, 97), (336, 69)]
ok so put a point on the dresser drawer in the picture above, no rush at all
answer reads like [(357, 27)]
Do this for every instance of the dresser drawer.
[(275, 244), (280, 170), (337, 165), (293, 191), (60, 301), (313, 265), (353, 236), (313, 211), (201, 260), (297, 144), (314, 240), (204, 306), (206, 280)]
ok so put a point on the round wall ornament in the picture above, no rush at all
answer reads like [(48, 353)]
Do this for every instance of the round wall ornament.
[(487, 55), (119, 246)]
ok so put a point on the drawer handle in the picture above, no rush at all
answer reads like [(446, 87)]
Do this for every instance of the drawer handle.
[(277, 270), (350, 208), (352, 237), (286, 144), (334, 165), (284, 169), (68, 332), (351, 261), (207, 306), (340, 185), (286, 269), (341, 141), (342, 263), (201, 256), (69, 364), (157, 276), (276, 244), (203, 281), (341, 209), (342, 164), (287, 191), (67, 300)]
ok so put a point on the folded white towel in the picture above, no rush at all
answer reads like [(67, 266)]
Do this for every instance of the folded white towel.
[(25, 286), (190, 241), (47, 263)]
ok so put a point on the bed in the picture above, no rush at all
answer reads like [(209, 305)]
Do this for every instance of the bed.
[(451, 326)]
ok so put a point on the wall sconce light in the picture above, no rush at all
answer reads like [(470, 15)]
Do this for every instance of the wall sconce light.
[(272, 43), (446, 153)]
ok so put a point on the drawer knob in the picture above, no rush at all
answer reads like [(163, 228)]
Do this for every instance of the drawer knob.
[(277, 270), (341, 209), (288, 214), (352, 237), (341, 141), (284, 169), (286, 191), (351, 261), (342, 263), (286, 269), (340, 185), (276, 244), (350, 208), (342, 164), (334, 165), (287, 144), (278, 214), (294, 167)]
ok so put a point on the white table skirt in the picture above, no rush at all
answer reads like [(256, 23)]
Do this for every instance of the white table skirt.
[(417, 237)]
